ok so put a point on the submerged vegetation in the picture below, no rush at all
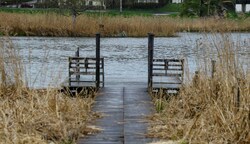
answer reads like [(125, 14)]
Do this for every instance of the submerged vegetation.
[(37, 116), (209, 109), (53, 24)]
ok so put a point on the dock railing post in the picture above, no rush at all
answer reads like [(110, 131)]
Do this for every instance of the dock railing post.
[(97, 60), (69, 59), (238, 98), (150, 58), (238, 94), (77, 54), (103, 72), (213, 68)]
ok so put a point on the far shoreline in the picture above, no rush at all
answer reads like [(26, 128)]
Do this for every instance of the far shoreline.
[(56, 25)]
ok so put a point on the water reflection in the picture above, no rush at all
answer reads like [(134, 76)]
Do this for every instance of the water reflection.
[(46, 59)]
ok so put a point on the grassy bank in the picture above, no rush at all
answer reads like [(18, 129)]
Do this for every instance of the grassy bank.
[(52, 24), (37, 116), (209, 109)]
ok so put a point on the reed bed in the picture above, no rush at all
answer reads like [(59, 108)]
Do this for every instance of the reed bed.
[(134, 26), (58, 25), (213, 25), (37, 116), (209, 109)]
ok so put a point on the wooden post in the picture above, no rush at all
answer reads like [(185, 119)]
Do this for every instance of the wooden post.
[(196, 78), (86, 64), (150, 58), (97, 60), (69, 71), (77, 54), (238, 94), (166, 66), (238, 98), (103, 72), (182, 67), (213, 68)]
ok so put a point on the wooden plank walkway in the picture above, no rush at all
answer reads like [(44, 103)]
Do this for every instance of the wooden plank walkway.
[(125, 107)]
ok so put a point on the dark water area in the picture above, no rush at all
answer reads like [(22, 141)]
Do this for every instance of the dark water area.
[(46, 58)]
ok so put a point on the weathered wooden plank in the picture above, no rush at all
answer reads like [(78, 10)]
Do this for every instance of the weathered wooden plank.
[(169, 69), (81, 83), (85, 58), (83, 67), (108, 100), (167, 60), (83, 73), (125, 108), (160, 64), (163, 83), (167, 74), (167, 86)]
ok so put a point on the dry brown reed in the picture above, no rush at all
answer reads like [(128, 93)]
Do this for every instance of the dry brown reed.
[(210, 109), (58, 25), (213, 25), (37, 116), (136, 26)]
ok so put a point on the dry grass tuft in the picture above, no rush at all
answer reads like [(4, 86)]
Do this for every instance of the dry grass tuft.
[(210, 110), (37, 116)]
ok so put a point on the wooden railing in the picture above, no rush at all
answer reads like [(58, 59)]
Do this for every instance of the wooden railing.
[(82, 72), (168, 67), (163, 74), (167, 74)]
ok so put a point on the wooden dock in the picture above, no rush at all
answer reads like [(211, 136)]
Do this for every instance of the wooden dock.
[(125, 105), (85, 73), (163, 74), (125, 108), (88, 73)]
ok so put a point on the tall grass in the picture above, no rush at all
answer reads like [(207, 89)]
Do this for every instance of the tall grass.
[(58, 25), (213, 25), (210, 109), (37, 116), (52, 24)]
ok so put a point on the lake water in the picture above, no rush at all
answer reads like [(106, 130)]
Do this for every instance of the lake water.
[(46, 58)]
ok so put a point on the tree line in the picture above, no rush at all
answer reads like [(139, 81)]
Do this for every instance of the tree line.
[(203, 8)]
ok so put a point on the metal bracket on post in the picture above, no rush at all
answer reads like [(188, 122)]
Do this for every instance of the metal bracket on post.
[(150, 59), (97, 60)]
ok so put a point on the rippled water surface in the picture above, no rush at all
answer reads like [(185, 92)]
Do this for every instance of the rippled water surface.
[(46, 59)]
